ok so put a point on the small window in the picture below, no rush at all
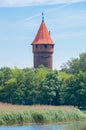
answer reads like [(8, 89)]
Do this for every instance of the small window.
[(52, 46), (36, 46), (45, 46)]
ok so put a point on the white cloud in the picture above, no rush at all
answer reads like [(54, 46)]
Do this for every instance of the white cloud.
[(14, 3)]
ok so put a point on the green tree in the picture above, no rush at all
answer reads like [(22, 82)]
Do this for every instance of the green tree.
[(13, 87), (30, 86), (75, 65), (6, 93), (1, 78), (18, 95), (5, 74), (50, 88), (73, 91)]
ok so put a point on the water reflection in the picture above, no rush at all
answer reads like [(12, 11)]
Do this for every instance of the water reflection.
[(76, 126), (71, 126), (34, 127)]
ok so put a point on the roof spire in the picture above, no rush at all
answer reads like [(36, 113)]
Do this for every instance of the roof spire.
[(42, 17)]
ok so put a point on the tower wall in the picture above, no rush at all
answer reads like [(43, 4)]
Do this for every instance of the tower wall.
[(43, 55)]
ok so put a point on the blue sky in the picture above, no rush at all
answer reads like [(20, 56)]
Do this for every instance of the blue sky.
[(19, 23)]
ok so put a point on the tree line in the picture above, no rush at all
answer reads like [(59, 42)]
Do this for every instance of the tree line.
[(30, 86)]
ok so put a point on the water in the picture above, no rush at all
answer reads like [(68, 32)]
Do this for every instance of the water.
[(71, 126)]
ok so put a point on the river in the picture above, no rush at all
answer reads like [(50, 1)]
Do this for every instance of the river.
[(69, 126)]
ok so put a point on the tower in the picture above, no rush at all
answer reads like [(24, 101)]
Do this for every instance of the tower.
[(43, 47)]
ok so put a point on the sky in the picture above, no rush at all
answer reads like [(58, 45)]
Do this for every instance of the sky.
[(20, 21)]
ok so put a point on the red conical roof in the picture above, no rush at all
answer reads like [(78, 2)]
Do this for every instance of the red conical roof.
[(43, 36)]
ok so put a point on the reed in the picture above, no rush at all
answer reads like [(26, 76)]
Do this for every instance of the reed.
[(19, 115), (84, 111)]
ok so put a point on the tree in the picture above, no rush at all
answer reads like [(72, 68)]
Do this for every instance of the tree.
[(75, 65), (1, 78), (5, 74), (7, 92), (30, 86), (73, 91), (82, 62), (50, 88)]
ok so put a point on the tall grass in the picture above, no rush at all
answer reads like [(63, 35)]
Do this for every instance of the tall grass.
[(84, 111), (19, 115)]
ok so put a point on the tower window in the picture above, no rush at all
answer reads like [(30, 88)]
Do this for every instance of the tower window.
[(45, 46), (52, 46), (36, 46)]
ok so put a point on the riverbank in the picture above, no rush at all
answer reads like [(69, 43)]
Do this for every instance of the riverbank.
[(19, 115)]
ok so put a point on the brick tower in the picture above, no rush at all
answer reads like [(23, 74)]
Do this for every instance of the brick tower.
[(43, 47)]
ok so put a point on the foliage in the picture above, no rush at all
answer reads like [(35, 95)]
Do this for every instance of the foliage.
[(73, 91), (26, 86), (75, 65), (50, 88), (30, 86)]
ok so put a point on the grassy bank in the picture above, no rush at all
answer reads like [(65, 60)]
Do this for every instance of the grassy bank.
[(14, 114), (84, 111)]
